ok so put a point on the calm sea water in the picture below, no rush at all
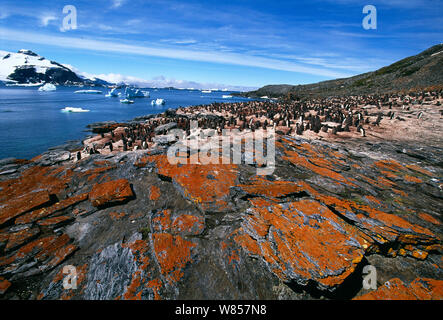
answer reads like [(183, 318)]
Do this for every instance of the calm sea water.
[(31, 121)]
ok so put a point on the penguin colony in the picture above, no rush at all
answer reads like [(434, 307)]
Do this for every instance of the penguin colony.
[(331, 116)]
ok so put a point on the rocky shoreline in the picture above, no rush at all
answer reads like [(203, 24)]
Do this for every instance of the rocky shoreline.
[(135, 226)]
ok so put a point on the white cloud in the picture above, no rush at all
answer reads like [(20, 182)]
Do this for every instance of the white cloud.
[(117, 3), (180, 41), (163, 82), (157, 82), (46, 19), (173, 53)]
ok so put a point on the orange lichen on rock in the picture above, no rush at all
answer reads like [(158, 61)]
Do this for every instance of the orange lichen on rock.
[(155, 286), (309, 242), (173, 254), (44, 212), (395, 289), (316, 164), (61, 254), (429, 218), (413, 179), (50, 250), (103, 163), (233, 257), (381, 226), (161, 221), (389, 175), (205, 185), (116, 215), (154, 193), (139, 249), (94, 173), (188, 224), (55, 221), (18, 238), (391, 165), (4, 285), (131, 292), (31, 190), (110, 192), (373, 199), (17, 206), (52, 179), (248, 243), (271, 189), (418, 169)]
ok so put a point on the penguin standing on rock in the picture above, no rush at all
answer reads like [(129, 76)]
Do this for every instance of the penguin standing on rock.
[(377, 121), (392, 116), (361, 130)]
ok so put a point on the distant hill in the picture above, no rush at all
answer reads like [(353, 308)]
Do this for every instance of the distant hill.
[(420, 71), (26, 67)]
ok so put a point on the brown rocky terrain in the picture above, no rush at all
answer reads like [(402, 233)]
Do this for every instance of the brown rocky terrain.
[(137, 227)]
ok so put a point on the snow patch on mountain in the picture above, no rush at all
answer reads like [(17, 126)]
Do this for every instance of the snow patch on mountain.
[(27, 67)]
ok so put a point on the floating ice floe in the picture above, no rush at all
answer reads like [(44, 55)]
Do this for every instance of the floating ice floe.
[(206, 91), (112, 93), (158, 102), (126, 101), (13, 84), (71, 109), (89, 91), (47, 87), (135, 93), (226, 96)]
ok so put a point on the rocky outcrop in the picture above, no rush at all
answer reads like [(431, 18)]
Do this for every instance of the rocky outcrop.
[(135, 226), (110, 192), (419, 289)]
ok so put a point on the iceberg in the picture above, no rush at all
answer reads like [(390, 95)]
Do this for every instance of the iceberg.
[(126, 101), (71, 109), (226, 96), (112, 93), (47, 87), (135, 93), (158, 102), (206, 91), (89, 91)]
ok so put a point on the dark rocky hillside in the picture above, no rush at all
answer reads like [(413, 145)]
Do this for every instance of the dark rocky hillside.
[(420, 71)]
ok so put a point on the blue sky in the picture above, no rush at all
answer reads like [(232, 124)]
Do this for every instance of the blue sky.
[(239, 43)]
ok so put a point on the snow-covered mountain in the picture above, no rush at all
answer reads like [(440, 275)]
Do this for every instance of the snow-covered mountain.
[(28, 68)]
